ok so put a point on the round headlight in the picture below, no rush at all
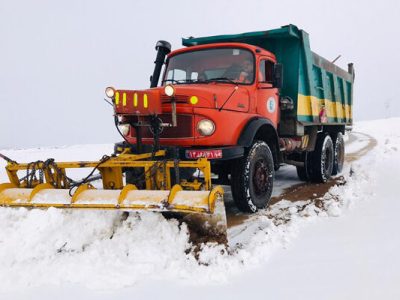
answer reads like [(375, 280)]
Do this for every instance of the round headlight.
[(124, 128), (206, 127), (169, 90), (110, 92)]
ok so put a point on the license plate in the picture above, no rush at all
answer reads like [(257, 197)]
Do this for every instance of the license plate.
[(209, 154)]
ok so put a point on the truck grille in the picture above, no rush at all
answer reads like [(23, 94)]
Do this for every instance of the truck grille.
[(183, 130), (178, 99)]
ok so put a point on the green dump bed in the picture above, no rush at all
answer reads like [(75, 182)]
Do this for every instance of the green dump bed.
[(321, 91)]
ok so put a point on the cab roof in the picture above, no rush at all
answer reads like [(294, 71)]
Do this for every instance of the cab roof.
[(251, 48)]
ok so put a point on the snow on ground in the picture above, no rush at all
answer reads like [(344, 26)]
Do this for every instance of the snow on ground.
[(344, 250)]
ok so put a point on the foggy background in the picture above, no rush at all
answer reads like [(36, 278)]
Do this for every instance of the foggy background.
[(56, 57)]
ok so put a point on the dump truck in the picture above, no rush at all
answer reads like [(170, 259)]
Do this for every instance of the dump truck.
[(222, 110)]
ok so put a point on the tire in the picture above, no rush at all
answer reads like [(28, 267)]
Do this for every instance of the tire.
[(321, 159), (339, 153), (302, 172), (252, 178)]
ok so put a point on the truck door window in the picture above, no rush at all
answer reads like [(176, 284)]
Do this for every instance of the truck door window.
[(266, 71)]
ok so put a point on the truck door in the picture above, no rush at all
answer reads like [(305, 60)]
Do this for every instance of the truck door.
[(267, 95)]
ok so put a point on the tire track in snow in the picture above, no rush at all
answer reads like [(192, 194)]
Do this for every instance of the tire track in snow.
[(371, 143)]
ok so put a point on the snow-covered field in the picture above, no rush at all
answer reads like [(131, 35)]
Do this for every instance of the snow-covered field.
[(343, 247)]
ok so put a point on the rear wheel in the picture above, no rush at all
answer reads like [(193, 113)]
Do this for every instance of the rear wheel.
[(321, 159), (339, 153), (252, 178), (302, 172)]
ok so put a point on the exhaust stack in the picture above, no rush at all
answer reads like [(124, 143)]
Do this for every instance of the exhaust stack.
[(163, 48)]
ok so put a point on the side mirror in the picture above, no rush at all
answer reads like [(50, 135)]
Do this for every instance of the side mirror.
[(278, 76)]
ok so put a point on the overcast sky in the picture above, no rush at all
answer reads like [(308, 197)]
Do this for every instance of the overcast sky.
[(56, 57)]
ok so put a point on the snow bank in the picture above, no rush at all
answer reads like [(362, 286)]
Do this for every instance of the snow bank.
[(98, 250), (93, 248)]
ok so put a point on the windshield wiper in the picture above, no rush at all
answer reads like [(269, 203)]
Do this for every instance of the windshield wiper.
[(189, 81), (184, 81), (170, 80), (226, 79)]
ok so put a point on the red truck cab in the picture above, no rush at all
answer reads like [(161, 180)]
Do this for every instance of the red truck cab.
[(218, 90), (219, 101)]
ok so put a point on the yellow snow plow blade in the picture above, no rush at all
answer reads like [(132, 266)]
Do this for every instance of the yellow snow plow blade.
[(197, 203)]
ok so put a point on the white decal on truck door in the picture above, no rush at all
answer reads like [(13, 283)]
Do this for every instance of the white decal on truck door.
[(271, 104)]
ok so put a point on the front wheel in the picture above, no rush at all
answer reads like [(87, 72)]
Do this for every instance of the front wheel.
[(253, 177)]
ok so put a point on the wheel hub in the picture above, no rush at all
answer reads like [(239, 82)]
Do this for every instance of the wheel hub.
[(260, 178)]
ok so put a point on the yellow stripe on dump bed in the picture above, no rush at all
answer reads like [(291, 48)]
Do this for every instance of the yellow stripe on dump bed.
[(311, 106)]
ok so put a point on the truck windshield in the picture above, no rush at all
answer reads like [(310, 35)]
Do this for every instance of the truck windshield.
[(231, 65)]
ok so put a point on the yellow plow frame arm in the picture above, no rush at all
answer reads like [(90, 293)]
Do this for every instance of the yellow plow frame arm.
[(193, 200)]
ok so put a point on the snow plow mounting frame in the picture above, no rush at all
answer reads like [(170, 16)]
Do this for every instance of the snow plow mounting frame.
[(159, 194)]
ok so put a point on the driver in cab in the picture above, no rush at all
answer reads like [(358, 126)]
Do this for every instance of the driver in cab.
[(246, 73)]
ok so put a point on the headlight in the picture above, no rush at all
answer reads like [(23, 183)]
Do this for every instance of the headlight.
[(110, 92), (124, 128), (169, 90), (206, 127)]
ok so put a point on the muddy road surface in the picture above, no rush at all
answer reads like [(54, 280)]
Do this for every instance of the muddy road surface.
[(287, 185)]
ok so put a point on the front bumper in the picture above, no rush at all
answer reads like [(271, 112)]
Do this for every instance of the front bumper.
[(190, 153)]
